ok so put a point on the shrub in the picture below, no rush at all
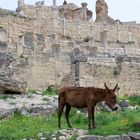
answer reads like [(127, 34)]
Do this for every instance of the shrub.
[(116, 71), (50, 91), (134, 100), (86, 39)]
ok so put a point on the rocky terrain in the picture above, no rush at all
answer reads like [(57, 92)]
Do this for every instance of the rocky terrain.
[(38, 104), (27, 104), (130, 136)]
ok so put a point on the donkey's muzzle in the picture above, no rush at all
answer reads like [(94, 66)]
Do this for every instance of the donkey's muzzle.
[(116, 108)]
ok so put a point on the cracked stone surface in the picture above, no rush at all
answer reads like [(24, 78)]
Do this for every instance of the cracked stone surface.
[(8, 83)]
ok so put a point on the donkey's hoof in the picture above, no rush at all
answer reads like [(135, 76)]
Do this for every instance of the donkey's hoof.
[(93, 127), (70, 127), (59, 127), (89, 128)]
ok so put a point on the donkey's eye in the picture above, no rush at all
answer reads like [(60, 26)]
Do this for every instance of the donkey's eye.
[(113, 100)]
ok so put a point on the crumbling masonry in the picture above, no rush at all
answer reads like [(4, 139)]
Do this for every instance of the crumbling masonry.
[(64, 46)]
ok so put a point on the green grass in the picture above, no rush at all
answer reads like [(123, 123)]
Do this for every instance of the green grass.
[(133, 100), (49, 91), (5, 97), (116, 123), (74, 137), (19, 127), (33, 91)]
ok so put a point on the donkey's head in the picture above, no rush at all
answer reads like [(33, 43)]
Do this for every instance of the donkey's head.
[(111, 99)]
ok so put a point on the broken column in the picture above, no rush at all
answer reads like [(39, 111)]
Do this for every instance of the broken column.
[(104, 41), (55, 18), (3, 40), (20, 7), (54, 3), (78, 28), (64, 27), (129, 36), (102, 12), (39, 3), (118, 32), (92, 33), (84, 6), (20, 46), (65, 2)]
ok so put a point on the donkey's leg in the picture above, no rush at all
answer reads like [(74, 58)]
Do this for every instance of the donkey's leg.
[(60, 111), (89, 117), (93, 120), (68, 108)]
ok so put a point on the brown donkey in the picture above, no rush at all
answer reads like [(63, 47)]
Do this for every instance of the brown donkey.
[(81, 97)]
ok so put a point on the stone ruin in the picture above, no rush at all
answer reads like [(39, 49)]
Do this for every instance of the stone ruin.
[(71, 11), (102, 12), (66, 47), (9, 84)]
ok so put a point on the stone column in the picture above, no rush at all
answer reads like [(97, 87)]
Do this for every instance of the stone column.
[(129, 36), (84, 6), (119, 36), (55, 20), (20, 7), (91, 30), (118, 25), (54, 2), (101, 11), (3, 37), (78, 28), (64, 27), (65, 2), (92, 33), (20, 3), (77, 66), (104, 41), (118, 31), (20, 45)]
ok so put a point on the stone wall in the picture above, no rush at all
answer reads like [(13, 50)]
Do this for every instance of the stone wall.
[(117, 35), (71, 52), (47, 68), (97, 71), (46, 21)]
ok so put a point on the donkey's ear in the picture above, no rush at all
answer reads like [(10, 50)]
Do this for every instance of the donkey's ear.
[(116, 88), (107, 89)]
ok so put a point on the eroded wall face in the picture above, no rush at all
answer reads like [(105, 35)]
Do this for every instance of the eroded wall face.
[(63, 52), (46, 21), (96, 74)]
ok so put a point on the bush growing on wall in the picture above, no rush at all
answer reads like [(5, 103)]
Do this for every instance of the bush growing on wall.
[(87, 39), (116, 71)]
